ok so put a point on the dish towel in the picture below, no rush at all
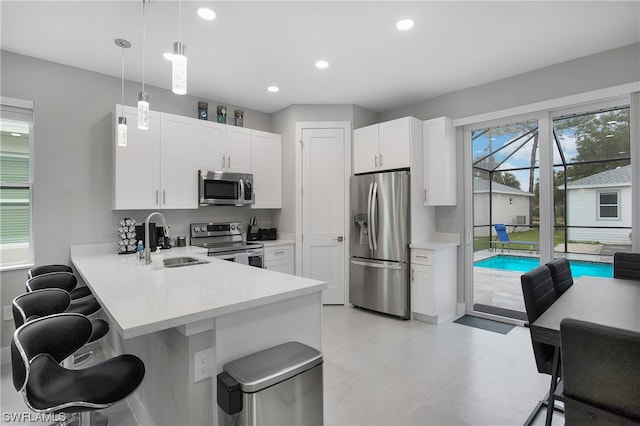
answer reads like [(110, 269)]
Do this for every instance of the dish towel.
[(242, 258)]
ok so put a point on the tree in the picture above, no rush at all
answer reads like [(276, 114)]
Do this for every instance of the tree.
[(506, 178)]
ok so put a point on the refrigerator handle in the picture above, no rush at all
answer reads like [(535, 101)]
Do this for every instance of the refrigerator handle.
[(374, 217), (369, 217), (377, 265)]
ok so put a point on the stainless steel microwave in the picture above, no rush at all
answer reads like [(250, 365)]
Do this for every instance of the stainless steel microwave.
[(225, 189)]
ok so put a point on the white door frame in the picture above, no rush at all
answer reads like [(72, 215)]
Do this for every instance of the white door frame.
[(346, 126)]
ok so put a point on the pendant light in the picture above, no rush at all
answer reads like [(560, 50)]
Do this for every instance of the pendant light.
[(143, 97), (122, 120), (179, 67)]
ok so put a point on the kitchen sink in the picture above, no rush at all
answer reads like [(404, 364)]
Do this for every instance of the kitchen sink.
[(175, 262)]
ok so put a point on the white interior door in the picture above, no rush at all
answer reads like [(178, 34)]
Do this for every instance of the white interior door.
[(323, 209)]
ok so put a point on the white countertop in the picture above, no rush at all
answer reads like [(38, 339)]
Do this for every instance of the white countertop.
[(278, 242), (142, 300), (440, 240)]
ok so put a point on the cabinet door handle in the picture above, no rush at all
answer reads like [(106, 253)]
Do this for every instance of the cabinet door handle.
[(164, 197), (223, 161), (381, 159), (156, 196), (425, 195), (279, 252), (422, 256), (413, 276), (376, 161), (229, 161)]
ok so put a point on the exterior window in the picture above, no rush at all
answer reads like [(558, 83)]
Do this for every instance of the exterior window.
[(608, 205), (16, 183)]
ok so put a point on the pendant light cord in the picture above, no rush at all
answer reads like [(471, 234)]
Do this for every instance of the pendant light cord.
[(122, 105), (180, 22), (144, 31)]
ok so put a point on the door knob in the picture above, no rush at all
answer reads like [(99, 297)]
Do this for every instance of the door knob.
[(339, 239)]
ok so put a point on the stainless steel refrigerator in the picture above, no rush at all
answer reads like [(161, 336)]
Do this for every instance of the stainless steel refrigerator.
[(379, 243)]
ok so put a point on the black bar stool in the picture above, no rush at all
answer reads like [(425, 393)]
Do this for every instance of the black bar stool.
[(49, 301), (37, 349), (68, 282), (76, 293)]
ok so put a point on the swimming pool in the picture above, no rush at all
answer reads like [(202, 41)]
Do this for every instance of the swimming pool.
[(524, 264)]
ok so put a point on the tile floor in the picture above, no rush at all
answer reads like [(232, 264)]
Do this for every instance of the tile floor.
[(382, 371)]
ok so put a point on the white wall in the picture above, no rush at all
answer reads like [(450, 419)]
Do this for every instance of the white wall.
[(582, 206), (72, 131)]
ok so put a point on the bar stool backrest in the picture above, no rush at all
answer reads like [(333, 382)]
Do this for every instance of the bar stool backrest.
[(58, 336), (64, 280), (45, 269), (39, 303)]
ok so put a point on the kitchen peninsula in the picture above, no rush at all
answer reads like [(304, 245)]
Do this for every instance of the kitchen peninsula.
[(167, 316)]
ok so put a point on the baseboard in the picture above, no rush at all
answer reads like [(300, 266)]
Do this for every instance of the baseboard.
[(461, 309), (430, 319)]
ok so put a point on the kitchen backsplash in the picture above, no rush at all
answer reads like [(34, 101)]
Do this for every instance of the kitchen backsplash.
[(179, 220)]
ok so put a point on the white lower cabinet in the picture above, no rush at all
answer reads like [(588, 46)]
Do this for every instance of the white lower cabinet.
[(434, 286), (280, 259)]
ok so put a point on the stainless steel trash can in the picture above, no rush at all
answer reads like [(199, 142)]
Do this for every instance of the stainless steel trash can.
[(281, 385)]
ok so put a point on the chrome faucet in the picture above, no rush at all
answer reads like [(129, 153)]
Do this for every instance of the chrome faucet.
[(147, 249)]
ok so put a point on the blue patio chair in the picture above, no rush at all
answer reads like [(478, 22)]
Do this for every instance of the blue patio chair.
[(503, 238)]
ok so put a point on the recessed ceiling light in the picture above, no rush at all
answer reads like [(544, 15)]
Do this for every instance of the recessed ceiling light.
[(168, 56), (612, 122), (404, 24), (273, 89), (206, 13), (609, 136), (16, 134), (322, 64)]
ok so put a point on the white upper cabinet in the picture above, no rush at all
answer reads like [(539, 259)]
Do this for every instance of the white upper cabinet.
[(439, 160), (178, 178), (154, 170), (384, 146), (209, 151), (237, 150), (136, 167), (266, 167)]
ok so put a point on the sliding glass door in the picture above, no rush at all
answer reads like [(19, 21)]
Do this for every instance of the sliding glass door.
[(556, 184)]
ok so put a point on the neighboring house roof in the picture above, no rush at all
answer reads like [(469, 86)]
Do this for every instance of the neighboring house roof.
[(481, 185), (620, 176)]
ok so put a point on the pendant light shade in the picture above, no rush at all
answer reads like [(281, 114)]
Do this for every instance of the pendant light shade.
[(143, 110), (143, 97), (122, 120), (122, 131), (179, 74)]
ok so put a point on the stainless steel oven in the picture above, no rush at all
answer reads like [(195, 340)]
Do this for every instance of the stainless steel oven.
[(224, 189), (227, 241)]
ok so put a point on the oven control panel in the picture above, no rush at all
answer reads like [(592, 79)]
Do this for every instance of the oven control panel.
[(199, 230)]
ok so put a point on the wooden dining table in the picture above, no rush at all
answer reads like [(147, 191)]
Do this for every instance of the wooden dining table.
[(613, 302)]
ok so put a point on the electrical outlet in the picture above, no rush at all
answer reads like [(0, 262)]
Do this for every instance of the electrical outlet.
[(203, 364), (7, 314)]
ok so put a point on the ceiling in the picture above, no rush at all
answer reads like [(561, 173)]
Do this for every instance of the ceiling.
[(252, 45)]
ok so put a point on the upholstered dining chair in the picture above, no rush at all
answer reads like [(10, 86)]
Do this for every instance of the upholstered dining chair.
[(37, 349), (76, 293), (561, 275), (539, 293), (626, 265), (600, 374)]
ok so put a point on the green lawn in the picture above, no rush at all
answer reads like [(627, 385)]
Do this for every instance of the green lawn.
[(482, 243)]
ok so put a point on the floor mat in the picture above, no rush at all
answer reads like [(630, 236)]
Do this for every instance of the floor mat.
[(485, 324)]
